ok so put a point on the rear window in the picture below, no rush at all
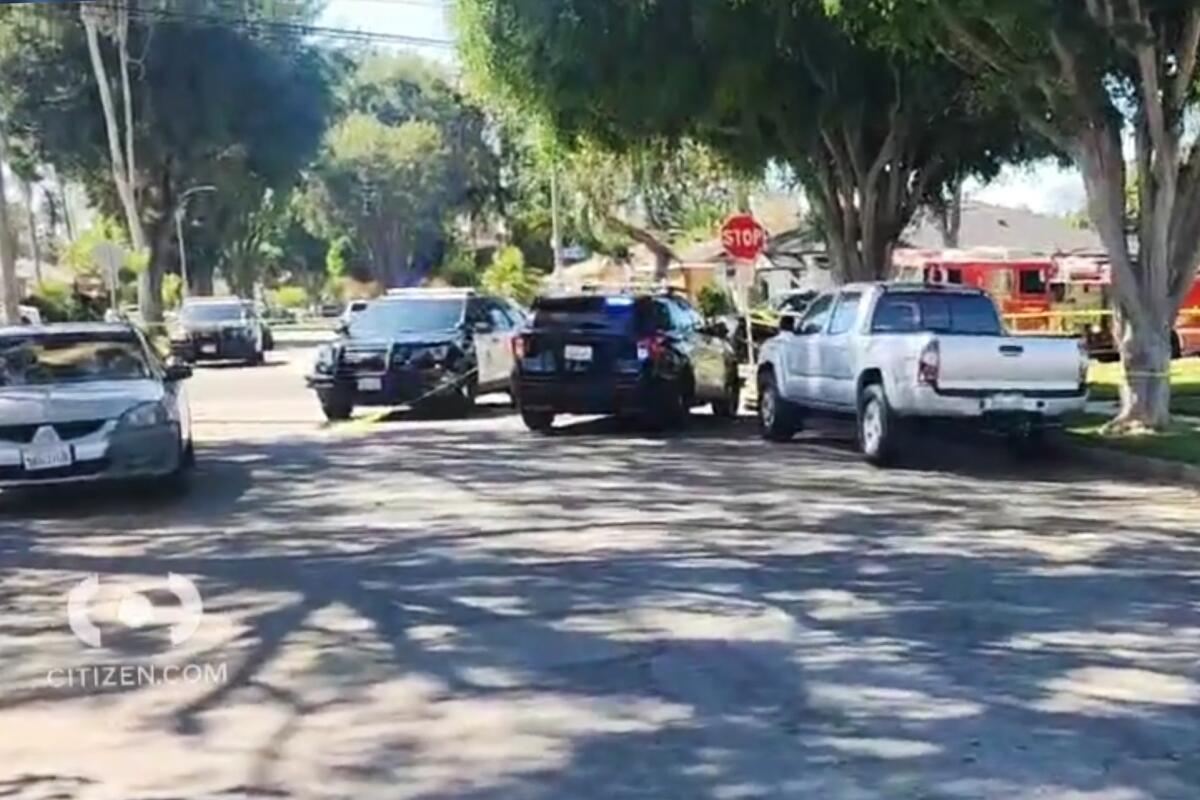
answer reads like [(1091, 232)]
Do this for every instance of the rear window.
[(606, 314), (967, 314)]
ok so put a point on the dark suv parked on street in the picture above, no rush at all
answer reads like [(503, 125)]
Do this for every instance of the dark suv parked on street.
[(645, 355), (436, 348)]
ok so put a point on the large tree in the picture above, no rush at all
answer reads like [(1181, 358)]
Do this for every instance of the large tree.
[(872, 134), (207, 100), (407, 156), (1103, 80)]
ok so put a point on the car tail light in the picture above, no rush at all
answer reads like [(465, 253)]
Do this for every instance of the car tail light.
[(929, 365), (518, 346), (651, 348)]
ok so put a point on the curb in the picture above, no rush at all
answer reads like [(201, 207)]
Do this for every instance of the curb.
[(1130, 465)]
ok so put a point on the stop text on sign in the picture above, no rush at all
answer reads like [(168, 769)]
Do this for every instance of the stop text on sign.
[(743, 237)]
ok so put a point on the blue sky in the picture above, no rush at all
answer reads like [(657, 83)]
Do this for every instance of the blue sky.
[(1044, 187), (423, 18)]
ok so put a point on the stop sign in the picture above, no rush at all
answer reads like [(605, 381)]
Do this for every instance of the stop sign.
[(743, 237)]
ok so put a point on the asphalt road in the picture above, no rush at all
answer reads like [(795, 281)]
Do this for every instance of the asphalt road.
[(423, 608)]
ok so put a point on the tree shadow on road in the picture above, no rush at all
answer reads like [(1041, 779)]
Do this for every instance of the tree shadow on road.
[(604, 613)]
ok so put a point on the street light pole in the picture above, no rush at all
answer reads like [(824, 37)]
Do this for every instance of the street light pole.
[(180, 212)]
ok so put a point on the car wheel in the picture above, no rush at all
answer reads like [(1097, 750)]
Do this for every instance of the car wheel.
[(876, 426), (777, 418), (337, 407), (464, 396), (188, 459), (727, 407), (539, 421), (668, 408)]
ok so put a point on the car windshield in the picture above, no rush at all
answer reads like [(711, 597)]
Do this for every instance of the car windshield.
[(213, 312), (908, 312), (41, 360), (385, 318)]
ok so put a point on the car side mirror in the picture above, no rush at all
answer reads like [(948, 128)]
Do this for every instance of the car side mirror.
[(787, 323), (342, 328), (718, 328), (176, 371)]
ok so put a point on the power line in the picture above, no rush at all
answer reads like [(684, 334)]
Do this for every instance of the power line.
[(277, 26)]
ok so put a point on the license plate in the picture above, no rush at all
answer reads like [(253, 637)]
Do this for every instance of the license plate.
[(208, 349), (370, 384), (40, 458), (577, 352), (1007, 402)]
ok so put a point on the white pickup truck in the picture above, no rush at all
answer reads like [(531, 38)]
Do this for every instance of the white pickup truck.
[(885, 353)]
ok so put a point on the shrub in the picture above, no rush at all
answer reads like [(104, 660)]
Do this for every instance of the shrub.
[(509, 277), (289, 297), (714, 301)]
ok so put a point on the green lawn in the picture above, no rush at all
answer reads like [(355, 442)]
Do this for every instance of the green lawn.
[(1185, 384), (1180, 443)]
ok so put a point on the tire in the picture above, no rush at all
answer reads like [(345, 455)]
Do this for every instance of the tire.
[(256, 359), (727, 407), (463, 399), (777, 418), (188, 460), (669, 408), (876, 426), (1176, 347), (268, 340), (337, 408), (538, 421)]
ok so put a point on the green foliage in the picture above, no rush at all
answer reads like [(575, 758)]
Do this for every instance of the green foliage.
[(58, 302), (508, 276), (459, 268), (77, 255), (714, 301), (871, 133), (212, 104), (289, 297), (406, 156), (172, 291)]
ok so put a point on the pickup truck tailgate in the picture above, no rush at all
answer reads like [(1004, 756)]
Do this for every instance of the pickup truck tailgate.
[(1008, 364)]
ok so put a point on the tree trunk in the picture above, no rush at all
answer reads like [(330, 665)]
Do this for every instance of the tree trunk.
[(949, 217), (162, 256), (10, 312), (137, 234), (35, 249), (1146, 391), (200, 275), (663, 254)]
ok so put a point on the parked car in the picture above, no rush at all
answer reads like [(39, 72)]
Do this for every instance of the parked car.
[(891, 353), (84, 402), (437, 348), (220, 329), (628, 354)]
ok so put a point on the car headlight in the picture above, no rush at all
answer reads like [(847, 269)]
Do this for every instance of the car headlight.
[(326, 360), (145, 415)]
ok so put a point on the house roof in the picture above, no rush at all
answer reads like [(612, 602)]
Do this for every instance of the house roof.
[(985, 225)]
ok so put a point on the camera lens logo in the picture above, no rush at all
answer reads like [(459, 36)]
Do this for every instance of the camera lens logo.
[(134, 610)]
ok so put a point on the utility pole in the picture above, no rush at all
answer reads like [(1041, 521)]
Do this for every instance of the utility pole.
[(10, 311), (555, 232)]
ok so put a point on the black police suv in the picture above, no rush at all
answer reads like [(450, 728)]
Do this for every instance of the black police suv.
[(220, 329), (644, 355), (429, 347)]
